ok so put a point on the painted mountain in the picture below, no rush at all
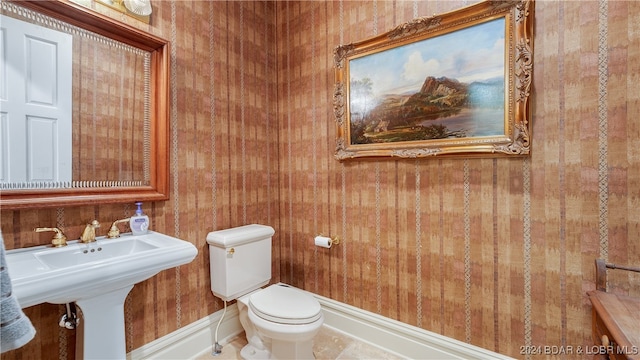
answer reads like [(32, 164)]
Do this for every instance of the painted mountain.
[(409, 117)]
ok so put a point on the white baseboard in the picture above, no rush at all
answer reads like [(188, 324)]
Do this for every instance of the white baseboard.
[(401, 339), (193, 340), (404, 340)]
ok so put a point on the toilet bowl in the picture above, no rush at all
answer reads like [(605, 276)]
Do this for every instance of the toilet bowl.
[(280, 322)]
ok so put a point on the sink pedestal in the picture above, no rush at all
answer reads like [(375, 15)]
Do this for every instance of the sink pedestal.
[(101, 332)]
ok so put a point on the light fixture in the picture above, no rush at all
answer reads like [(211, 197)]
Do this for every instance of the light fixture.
[(139, 7)]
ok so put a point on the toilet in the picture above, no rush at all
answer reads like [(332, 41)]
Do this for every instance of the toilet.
[(280, 321)]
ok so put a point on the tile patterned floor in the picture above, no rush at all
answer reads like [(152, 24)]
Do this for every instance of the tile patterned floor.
[(328, 344)]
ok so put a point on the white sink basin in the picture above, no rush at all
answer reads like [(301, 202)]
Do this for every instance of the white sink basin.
[(61, 275), (97, 277), (78, 255)]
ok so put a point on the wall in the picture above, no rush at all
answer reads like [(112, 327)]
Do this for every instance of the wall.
[(105, 75), (496, 252), (223, 167)]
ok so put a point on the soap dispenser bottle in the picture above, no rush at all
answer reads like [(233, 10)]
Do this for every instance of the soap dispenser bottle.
[(139, 223)]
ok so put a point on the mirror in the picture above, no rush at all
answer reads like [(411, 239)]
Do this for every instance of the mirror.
[(120, 121)]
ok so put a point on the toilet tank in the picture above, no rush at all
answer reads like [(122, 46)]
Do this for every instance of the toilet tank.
[(239, 260)]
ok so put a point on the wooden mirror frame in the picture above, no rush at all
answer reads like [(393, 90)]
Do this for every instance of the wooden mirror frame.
[(157, 189)]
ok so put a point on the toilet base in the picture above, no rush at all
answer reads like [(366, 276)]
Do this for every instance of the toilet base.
[(249, 352)]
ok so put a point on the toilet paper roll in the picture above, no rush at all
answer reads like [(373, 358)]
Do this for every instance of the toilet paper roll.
[(323, 241)]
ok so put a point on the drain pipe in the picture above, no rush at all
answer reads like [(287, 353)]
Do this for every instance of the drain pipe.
[(70, 320)]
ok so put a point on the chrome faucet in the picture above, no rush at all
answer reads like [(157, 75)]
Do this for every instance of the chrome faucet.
[(89, 233), (114, 232)]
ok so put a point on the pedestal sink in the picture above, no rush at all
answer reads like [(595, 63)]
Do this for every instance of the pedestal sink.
[(97, 277)]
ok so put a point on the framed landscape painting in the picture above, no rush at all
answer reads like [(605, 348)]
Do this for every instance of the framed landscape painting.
[(452, 84)]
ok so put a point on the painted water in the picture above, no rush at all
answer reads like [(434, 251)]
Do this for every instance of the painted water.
[(473, 122)]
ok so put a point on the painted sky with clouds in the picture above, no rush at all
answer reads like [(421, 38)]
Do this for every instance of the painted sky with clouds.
[(472, 54)]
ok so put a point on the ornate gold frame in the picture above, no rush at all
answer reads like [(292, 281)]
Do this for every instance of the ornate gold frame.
[(518, 72)]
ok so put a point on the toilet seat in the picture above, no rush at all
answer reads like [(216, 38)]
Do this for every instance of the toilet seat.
[(285, 305)]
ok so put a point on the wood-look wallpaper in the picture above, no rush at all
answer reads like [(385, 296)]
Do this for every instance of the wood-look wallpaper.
[(103, 76), (495, 252)]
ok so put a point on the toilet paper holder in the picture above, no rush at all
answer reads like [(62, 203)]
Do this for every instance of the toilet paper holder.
[(333, 240)]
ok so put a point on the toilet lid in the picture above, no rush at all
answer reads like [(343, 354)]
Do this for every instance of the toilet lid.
[(285, 305)]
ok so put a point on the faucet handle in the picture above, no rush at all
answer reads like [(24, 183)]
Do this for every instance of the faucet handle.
[(58, 240), (114, 231)]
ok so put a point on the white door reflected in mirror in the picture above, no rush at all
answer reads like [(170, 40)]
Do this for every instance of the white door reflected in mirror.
[(36, 103)]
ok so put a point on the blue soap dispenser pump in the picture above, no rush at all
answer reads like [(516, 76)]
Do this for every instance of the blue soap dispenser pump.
[(139, 223)]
